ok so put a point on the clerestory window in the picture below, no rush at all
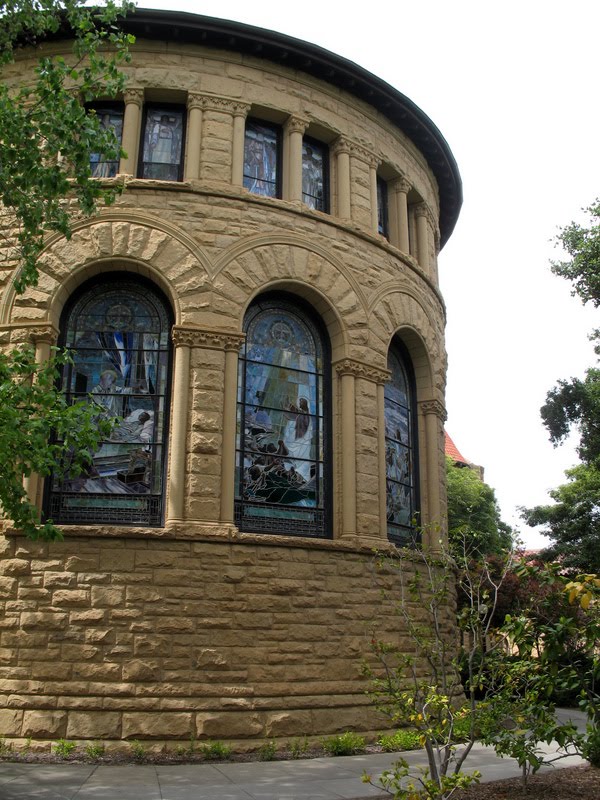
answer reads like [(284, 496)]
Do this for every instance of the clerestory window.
[(111, 118), (315, 174), (161, 150), (262, 158)]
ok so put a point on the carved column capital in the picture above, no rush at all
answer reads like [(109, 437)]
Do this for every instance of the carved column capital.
[(134, 96), (43, 333), (402, 185), (341, 145), (225, 105), (207, 338), (433, 407), (296, 125), (195, 100), (349, 366), (362, 153)]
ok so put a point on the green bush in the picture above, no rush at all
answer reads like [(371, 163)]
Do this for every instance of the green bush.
[(345, 744), (138, 750), (94, 750), (299, 747), (404, 739), (63, 748), (215, 751), (267, 751)]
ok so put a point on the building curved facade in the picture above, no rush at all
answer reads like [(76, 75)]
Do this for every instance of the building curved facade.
[(260, 314)]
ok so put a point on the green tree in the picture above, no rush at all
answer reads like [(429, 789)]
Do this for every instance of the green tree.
[(47, 138), (572, 523), (473, 512)]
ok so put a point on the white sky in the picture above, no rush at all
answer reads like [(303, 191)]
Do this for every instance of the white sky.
[(513, 88)]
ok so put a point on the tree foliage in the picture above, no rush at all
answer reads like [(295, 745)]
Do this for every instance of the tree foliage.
[(47, 138), (573, 521), (473, 511), (47, 132), (40, 433)]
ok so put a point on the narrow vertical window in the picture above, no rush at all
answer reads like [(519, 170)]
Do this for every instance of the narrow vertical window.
[(162, 143), (262, 147), (282, 420), (117, 334), (382, 207), (111, 118), (400, 452), (315, 158)]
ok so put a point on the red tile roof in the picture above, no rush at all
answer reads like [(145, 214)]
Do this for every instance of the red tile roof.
[(452, 451)]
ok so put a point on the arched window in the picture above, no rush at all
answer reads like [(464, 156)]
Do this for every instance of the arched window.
[(400, 448), (117, 331), (282, 481)]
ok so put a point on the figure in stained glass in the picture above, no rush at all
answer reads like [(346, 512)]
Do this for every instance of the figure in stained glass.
[(162, 144)]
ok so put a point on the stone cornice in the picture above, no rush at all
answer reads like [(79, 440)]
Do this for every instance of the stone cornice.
[(433, 407), (207, 338), (348, 366)]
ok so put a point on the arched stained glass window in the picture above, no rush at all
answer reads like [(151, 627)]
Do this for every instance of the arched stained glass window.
[(118, 335), (281, 469), (400, 449)]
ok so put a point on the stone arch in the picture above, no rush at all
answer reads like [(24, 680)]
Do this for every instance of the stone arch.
[(400, 313), (290, 264), (113, 241)]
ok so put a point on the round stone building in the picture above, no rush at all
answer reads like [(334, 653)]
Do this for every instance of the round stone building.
[(260, 314)]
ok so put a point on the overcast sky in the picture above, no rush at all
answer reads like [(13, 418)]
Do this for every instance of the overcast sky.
[(514, 89)]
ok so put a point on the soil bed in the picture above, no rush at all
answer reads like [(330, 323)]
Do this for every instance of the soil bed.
[(568, 783)]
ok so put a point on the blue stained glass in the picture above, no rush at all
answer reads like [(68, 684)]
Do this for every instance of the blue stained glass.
[(313, 174), (399, 449), (260, 159), (162, 144), (109, 118), (280, 420)]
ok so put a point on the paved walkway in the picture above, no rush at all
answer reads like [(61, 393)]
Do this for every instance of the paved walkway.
[(311, 779)]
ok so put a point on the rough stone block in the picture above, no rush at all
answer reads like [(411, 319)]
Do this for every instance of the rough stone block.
[(93, 725), (163, 725), (44, 724)]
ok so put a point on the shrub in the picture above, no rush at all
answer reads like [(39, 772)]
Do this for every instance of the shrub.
[(299, 747), (404, 739), (266, 752), (64, 748), (138, 750), (345, 744), (215, 751), (94, 750)]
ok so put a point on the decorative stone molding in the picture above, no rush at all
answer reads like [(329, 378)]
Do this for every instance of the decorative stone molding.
[(225, 105), (43, 333), (363, 153), (207, 338), (296, 125), (359, 369), (134, 96), (433, 407), (341, 145)]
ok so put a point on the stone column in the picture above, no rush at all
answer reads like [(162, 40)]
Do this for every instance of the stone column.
[(292, 158), (381, 460), (134, 100), (342, 155), (345, 373), (43, 338), (374, 205), (182, 341), (436, 524), (401, 189), (422, 213), (232, 344), (240, 112), (194, 136), (217, 149)]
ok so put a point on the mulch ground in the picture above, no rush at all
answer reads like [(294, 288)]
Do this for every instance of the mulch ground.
[(568, 783)]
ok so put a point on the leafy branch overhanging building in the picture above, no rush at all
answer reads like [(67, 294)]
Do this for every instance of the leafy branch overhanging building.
[(261, 311)]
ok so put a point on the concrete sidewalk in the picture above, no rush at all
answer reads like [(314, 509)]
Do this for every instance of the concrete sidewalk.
[(311, 779)]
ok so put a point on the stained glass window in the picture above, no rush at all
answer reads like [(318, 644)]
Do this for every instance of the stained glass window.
[(382, 207), (110, 117), (261, 159), (117, 334), (400, 454), (281, 469), (315, 156), (162, 144)]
